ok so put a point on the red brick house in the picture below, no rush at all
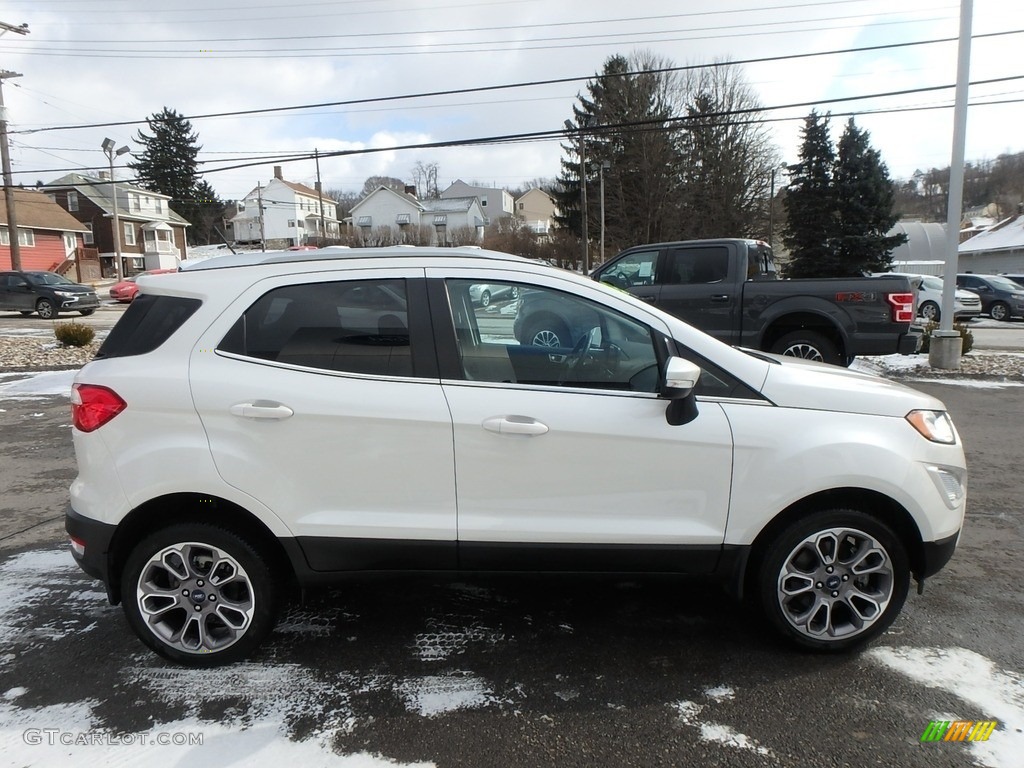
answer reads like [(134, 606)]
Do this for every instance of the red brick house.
[(152, 236), (51, 239)]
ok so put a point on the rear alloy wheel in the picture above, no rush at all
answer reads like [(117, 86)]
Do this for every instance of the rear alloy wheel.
[(552, 334), (930, 311), (833, 580), (46, 309), (199, 595), (809, 345), (999, 311), (485, 299)]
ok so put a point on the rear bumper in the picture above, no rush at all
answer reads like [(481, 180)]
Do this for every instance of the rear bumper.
[(96, 537)]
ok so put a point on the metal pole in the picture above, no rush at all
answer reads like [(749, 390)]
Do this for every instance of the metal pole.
[(263, 230), (118, 265), (583, 201), (320, 195), (771, 213), (5, 158)]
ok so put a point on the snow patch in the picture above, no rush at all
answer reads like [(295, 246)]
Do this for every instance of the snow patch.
[(46, 383), (689, 713), (720, 693), (996, 694), (438, 694)]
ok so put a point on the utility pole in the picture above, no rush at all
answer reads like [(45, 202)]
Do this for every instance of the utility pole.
[(5, 156), (320, 194), (263, 231)]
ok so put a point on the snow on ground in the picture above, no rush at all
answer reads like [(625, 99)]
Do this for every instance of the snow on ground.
[(36, 386), (992, 693)]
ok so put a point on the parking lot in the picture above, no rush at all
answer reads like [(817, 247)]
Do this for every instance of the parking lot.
[(533, 671)]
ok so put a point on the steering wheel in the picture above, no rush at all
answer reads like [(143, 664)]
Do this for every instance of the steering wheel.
[(574, 360)]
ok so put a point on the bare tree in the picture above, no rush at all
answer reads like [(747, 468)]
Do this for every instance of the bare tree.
[(424, 176)]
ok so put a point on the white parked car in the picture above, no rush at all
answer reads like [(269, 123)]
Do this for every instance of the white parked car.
[(311, 414), (966, 304)]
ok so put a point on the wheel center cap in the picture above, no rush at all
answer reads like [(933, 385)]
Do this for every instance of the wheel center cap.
[(833, 582), (198, 596)]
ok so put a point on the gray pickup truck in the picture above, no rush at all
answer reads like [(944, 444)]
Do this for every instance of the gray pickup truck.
[(729, 289)]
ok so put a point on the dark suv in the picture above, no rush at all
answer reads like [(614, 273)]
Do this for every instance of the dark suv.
[(1001, 297), (46, 293)]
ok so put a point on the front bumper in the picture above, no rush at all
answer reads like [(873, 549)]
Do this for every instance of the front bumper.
[(935, 555), (94, 538), (80, 301)]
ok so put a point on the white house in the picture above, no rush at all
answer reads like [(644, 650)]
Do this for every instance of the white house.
[(284, 213), (495, 203), (998, 249), (388, 216)]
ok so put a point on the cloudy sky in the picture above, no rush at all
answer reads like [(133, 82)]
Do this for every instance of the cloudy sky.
[(89, 62)]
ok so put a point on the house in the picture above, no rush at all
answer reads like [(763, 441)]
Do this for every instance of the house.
[(538, 210), (284, 213), (386, 217), (51, 239), (151, 235), (999, 248), (495, 203)]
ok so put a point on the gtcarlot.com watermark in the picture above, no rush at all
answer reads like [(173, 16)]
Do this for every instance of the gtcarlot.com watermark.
[(56, 737)]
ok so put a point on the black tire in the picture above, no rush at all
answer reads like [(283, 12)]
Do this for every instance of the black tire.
[(233, 617), (46, 309), (999, 310), (86, 312), (930, 311), (832, 610), (809, 345), (547, 333)]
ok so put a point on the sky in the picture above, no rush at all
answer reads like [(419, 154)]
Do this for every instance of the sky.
[(90, 62)]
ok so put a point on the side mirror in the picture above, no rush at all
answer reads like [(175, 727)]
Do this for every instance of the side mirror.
[(681, 378)]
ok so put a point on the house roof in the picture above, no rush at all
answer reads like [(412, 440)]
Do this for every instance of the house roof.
[(302, 189), (34, 210), (99, 191), (408, 199), (1007, 235), (448, 204)]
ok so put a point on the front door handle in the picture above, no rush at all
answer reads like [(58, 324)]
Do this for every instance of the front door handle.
[(720, 297), (515, 425), (261, 409)]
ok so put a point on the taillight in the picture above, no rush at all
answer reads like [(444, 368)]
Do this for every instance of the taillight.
[(92, 406), (902, 307)]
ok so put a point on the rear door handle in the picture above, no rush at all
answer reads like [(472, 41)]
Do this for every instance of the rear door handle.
[(515, 425), (720, 297), (261, 409)]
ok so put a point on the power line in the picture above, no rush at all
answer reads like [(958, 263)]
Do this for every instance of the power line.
[(510, 86)]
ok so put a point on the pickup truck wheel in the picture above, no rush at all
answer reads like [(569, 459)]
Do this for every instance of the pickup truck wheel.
[(999, 311), (549, 333), (46, 309), (833, 580), (199, 595), (809, 345), (930, 311)]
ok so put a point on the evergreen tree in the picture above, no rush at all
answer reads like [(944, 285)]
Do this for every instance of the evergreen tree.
[(207, 224), (810, 205), (168, 165), (865, 198)]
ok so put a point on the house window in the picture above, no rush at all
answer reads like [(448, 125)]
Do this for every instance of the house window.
[(134, 202), (522, 206), (26, 237), (72, 201), (483, 203), (291, 223), (159, 206), (301, 224), (87, 236), (129, 233)]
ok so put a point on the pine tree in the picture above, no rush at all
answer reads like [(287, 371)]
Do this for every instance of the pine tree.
[(865, 200), (810, 205), (168, 165)]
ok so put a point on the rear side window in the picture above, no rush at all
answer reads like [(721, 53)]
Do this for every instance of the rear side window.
[(354, 326), (149, 321)]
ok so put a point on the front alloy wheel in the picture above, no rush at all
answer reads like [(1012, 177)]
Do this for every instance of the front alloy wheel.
[(834, 580), (198, 595)]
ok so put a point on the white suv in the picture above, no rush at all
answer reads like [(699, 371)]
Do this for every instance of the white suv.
[(317, 413)]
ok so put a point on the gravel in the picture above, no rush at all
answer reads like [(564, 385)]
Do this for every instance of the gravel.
[(28, 353)]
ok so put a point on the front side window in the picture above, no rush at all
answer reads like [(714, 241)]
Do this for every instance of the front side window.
[(546, 337), (634, 269), (354, 326)]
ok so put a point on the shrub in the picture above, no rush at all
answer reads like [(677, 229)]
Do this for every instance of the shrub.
[(965, 334), (74, 334)]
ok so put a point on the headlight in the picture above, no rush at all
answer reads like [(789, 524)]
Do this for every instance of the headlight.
[(65, 294), (933, 425)]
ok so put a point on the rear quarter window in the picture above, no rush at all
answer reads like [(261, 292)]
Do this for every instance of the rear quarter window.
[(149, 321)]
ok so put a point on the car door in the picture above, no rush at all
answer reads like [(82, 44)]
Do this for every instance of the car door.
[(320, 398), (15, 292), (566, 461), (698, 286)]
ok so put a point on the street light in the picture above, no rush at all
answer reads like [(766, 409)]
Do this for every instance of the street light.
[(583, 191), (111, 153)]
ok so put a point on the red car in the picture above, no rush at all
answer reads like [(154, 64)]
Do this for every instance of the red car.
[(125, 290)]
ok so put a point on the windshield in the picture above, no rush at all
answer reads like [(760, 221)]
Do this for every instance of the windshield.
[(48, 278), (1005, 284)]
